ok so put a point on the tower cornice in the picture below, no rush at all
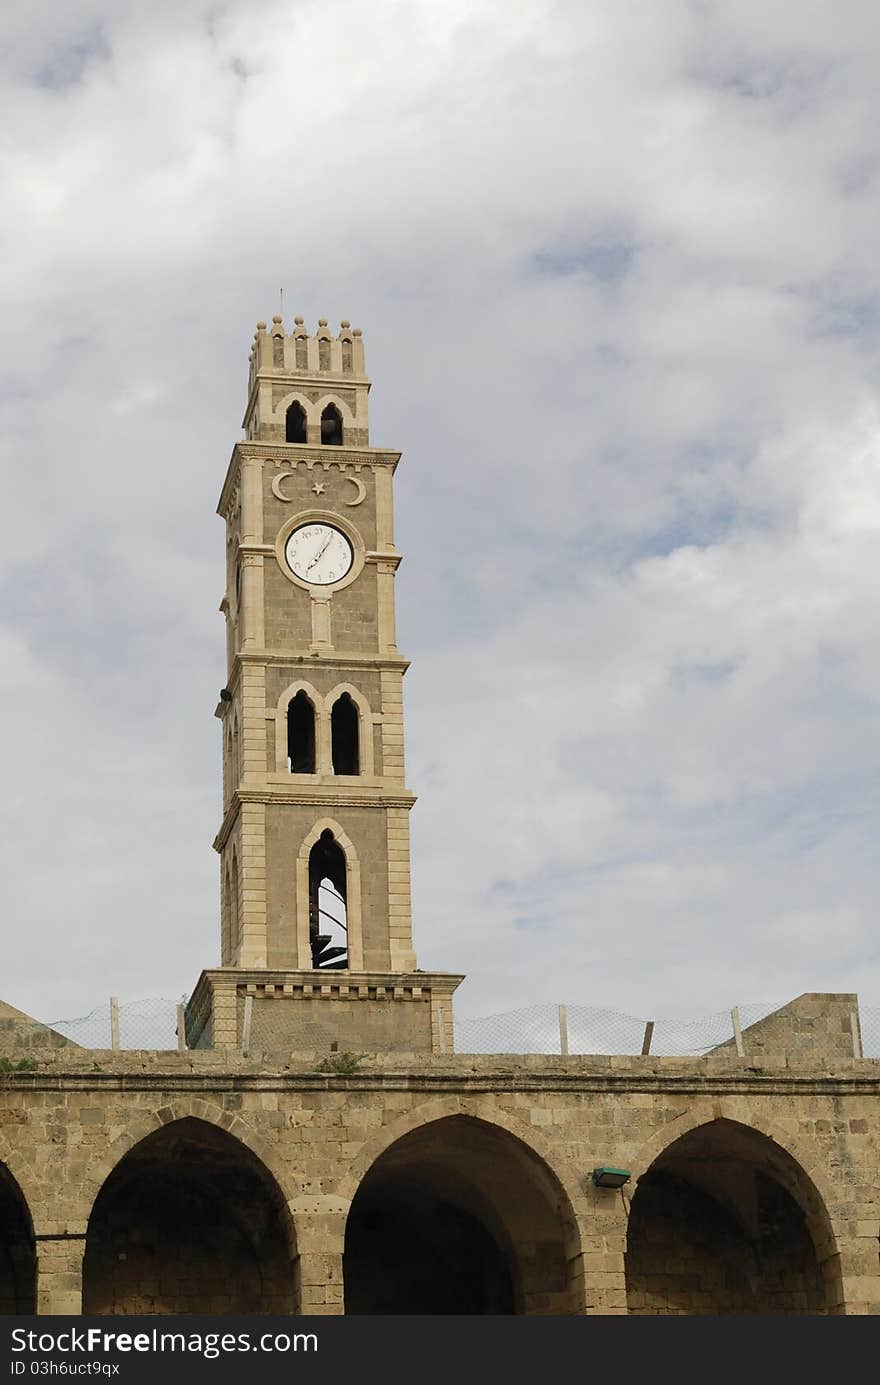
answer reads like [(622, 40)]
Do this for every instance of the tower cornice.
[(318, 796)]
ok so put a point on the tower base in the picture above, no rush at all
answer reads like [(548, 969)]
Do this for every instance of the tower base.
[(260, 1011)]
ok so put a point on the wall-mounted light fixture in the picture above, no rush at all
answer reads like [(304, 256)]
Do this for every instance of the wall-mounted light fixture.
[(607, 1177)]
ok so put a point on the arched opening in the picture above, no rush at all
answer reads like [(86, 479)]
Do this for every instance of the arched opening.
[(345, 736), (234, 762), (724, 1222), (226, 920), (234, 937), (18, 1264), (301, 734), (190, 1221), (295, 423), (459, 1216), (331, 427), (328, 912)]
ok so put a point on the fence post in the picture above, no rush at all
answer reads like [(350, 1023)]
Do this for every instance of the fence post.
[(181, 1029), (114, 1022), (649, 1034), (737, 1033), (856, 1034), (246, 1025), (563, 1031)]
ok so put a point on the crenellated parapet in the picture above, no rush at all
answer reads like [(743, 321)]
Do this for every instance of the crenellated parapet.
[(312, 372)]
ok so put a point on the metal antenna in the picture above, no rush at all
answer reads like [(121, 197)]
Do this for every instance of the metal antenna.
[(281, 303)]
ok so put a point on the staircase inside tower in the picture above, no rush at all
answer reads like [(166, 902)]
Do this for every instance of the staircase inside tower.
[(330, 941), (328, 920)]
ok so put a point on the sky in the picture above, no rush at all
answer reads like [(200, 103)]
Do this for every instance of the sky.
[(616, 268)]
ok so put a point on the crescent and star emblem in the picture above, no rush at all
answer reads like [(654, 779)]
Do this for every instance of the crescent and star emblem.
[(281, 476)]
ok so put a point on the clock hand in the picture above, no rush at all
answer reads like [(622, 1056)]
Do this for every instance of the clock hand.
[(319, 552)]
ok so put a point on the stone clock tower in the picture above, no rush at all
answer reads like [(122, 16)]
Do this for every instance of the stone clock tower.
[(316, 928)]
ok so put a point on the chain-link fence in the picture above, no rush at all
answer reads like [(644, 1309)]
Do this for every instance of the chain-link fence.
[(550, 1029), (151, 1024)]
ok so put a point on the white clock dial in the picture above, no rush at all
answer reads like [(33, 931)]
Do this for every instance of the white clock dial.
[(319, 554)]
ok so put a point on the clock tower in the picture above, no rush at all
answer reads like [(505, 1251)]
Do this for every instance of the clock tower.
[(316, 927)]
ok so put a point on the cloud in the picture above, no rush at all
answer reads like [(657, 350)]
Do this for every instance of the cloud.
[(617, 276)]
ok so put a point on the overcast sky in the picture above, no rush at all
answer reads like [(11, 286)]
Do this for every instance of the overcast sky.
[(617, 270)]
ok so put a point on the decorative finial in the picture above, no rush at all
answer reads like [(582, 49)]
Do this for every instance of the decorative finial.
[(322, 322), (276, 318), (357, 332), (343, 323), (261, 326), (298, 321)]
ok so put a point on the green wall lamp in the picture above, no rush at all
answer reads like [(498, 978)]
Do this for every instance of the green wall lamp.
[(607, 1177)]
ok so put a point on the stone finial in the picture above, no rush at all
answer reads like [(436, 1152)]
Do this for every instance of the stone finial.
[(343, 323), (298, 321), (277, 318), (261, 327), (357, 332)]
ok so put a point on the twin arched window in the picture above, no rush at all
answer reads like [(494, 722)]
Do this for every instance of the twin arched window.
[(344, 735), (296, 425)]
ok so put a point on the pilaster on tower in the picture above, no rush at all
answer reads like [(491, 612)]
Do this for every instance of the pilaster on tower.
[(314, 841)]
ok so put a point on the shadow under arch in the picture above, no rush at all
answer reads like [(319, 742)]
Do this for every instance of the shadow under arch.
[(18, 1262), (460, 1216), (190, 1220), (726, 1221)]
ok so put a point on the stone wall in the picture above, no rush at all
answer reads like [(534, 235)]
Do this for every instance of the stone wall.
[(512, 1145)]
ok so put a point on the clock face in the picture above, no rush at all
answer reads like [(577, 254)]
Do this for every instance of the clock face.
[(319, 554)]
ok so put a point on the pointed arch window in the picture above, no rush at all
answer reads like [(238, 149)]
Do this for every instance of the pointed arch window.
[(345, 736), (233, 907), (295, 423), (301, 734), (331, 427), (328, 913)]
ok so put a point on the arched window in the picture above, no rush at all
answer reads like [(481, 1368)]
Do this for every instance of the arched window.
[(236, 762), (328, 917), (234, 931), (344, 735), (295, 423), (331, 427), (226, 931), (301, 735)]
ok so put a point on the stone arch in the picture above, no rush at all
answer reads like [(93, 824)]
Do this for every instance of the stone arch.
[(734, 1111), (750, 1229), (459, 1214), (365, 718), (322, 731), (354, 918), (189, 1217), (343, 409), (18, 1260), (279, 413)]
